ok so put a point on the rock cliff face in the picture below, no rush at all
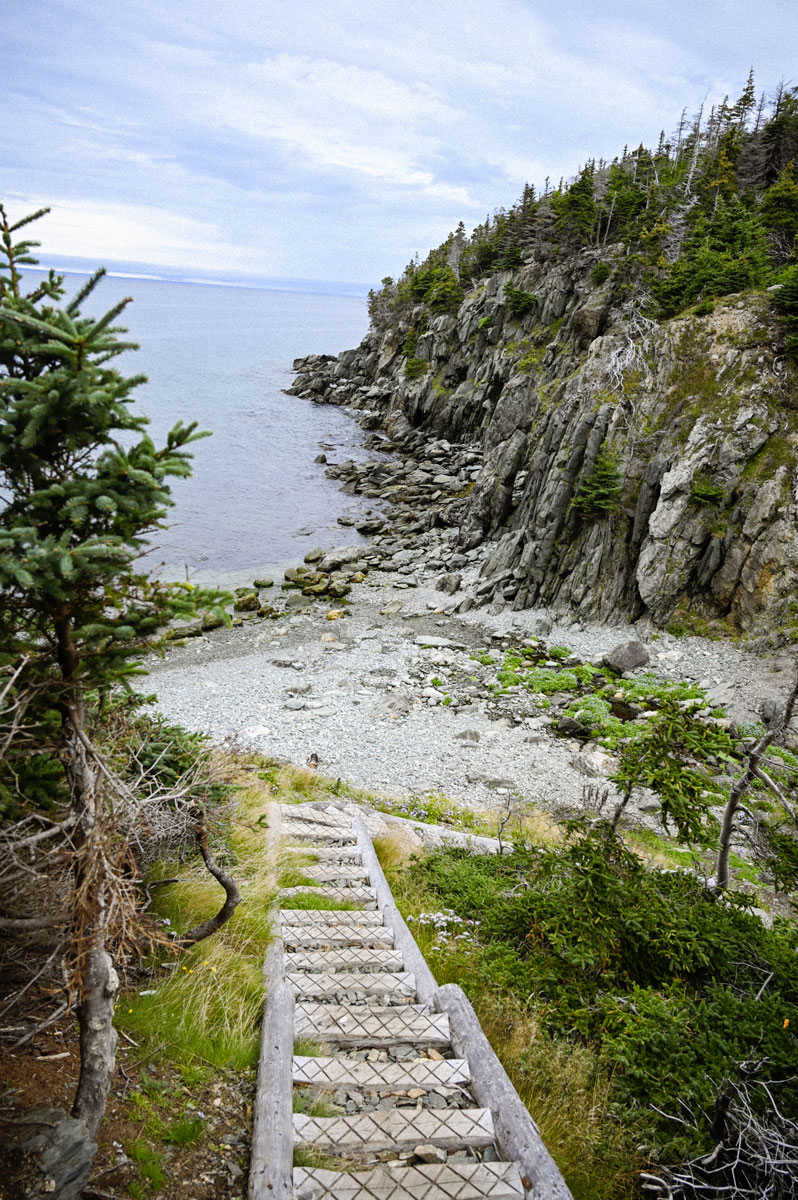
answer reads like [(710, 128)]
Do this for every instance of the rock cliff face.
[(630, 468)]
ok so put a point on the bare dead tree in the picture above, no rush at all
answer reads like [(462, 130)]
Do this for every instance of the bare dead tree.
[(71, 899), (753, 770), (755, 1156)]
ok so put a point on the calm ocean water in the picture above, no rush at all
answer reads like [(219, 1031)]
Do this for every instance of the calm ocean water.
[(221, 356)]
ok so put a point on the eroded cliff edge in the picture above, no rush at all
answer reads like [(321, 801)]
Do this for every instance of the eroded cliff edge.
[(631, 468)]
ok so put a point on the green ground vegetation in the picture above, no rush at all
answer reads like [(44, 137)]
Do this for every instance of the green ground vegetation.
[(623, 996), (206, 1005)]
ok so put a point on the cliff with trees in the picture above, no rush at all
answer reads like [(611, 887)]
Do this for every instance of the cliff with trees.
[(623, 349)]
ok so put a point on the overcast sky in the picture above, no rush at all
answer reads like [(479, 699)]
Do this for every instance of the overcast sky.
[(332, 139)]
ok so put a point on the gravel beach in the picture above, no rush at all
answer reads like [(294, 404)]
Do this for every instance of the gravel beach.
[(391, 698)]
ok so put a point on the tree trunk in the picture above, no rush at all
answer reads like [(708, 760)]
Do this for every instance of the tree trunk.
[(774, 731), (97, 980), (98, 1038), (619, 810)]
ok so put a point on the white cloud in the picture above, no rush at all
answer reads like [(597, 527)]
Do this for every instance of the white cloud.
[(143, 233), (339, 136)]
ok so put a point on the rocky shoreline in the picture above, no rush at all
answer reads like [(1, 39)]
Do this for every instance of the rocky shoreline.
[(623, 468), (381, 659)]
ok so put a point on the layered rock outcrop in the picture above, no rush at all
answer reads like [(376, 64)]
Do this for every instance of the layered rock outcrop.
[(630, 468)]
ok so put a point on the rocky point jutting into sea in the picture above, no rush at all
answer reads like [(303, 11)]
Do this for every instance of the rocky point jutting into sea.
[(701, 413)]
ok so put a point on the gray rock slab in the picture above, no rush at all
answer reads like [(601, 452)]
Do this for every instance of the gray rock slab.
[(627, 656)]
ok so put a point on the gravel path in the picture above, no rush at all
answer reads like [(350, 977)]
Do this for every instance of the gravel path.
[(358, 692)]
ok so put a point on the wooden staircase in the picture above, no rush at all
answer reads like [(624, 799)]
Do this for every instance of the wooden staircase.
[(418, 1107)]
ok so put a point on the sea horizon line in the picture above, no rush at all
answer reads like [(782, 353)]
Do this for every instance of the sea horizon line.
[(154, 272)]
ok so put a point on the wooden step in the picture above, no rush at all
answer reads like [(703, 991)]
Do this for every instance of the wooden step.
[(365, 897), (327, 935), (316, 816), (349, 958), (368, 1026), (342, 874), (399, 988), (330, 1074), (364, 1134), (438, 1181), (307, 831), (349, 854), (340, 917)]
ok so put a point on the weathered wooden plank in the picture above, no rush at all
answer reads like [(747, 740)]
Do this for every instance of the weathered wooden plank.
[(517, 1135), (396, 988), (340, 873), (364, 1025), (307, 831), (271, 1155), (326, 934), (365, 1134), (349, 958), (414, 960), (331, 916), (324, 853), (438, 1181), (317, 816), (365, 897), (381, 1077)]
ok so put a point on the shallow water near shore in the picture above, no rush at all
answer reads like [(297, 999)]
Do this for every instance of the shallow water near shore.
[(221, 356)]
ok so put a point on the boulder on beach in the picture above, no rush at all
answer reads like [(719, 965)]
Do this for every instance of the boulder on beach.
[(627, 656)]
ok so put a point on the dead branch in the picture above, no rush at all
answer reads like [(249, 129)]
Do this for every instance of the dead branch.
[(27, 924), (19, 843), (755, 754), (755, 1154), (232, 894), (45, 1024), (16, 998)]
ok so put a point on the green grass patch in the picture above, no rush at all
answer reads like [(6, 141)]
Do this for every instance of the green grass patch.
[(151, 1174), (184, 1131), (313, 1103), (207, 1001), (306, 1048)]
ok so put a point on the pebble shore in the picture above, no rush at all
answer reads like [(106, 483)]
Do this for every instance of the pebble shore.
[(391, 698)]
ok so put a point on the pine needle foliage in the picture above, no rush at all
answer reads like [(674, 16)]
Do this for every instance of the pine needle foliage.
[(599, 493), (84, 485), (712, 210)]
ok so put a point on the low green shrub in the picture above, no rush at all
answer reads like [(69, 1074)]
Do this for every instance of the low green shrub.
[(705, 491), (410, 343), (415, 368), (599, 493), (519, 303), (785, 302), (659, 975), (594, 712), (517, 670), (601, 272)]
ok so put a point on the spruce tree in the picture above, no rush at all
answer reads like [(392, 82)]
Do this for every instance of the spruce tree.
[(82, 486)]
